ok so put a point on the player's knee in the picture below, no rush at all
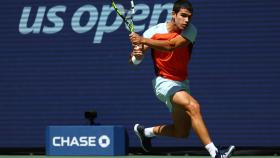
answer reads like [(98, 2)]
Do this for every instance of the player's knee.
[(193, 109), (186, 103)]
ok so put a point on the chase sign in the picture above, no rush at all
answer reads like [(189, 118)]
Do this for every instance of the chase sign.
[(85, 140)]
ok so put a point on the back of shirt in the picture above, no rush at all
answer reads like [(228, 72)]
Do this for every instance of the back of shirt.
[(174, 64)]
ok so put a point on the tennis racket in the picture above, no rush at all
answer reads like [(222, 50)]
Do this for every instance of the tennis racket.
[(125, 14)]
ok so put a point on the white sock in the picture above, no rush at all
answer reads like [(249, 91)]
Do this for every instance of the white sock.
[(211, 149), (149, 132)]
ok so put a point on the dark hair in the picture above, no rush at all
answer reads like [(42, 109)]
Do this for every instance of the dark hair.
[(185, 4)]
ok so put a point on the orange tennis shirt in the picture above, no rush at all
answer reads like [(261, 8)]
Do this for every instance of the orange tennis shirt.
[(173, 64)]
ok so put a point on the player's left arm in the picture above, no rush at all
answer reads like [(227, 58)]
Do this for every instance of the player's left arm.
[(165, 45), (188, 36)]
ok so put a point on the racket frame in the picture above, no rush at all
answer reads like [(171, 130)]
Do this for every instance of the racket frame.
[(127, 20)]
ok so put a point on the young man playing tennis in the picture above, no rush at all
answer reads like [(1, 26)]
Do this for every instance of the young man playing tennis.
[(171, 45)]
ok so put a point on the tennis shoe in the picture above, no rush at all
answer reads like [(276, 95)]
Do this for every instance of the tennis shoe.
[(225, 154), (144, 141)]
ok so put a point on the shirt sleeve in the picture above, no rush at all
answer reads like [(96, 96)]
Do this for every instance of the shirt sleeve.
[(190, 33), (159, 28), (150, 32)]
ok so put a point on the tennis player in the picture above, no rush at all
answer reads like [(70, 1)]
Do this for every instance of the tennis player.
[(171, 45)]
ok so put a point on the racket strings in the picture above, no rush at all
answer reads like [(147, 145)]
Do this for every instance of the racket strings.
[(125, 14)]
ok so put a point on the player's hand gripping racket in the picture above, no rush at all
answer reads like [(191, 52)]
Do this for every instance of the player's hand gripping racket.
[(127, 14)]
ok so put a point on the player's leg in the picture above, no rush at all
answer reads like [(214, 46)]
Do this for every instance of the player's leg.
[(164, 89), (181, 125), (179, 129), (185, 109), (192, 109), (185, 114)]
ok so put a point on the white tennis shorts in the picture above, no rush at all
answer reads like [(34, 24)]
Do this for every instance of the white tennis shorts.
[(165, 88)]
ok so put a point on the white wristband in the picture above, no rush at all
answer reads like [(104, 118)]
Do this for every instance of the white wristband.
[(135, 61)]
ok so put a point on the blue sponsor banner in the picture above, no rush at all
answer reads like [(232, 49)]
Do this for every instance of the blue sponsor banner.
[(85, 140)]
